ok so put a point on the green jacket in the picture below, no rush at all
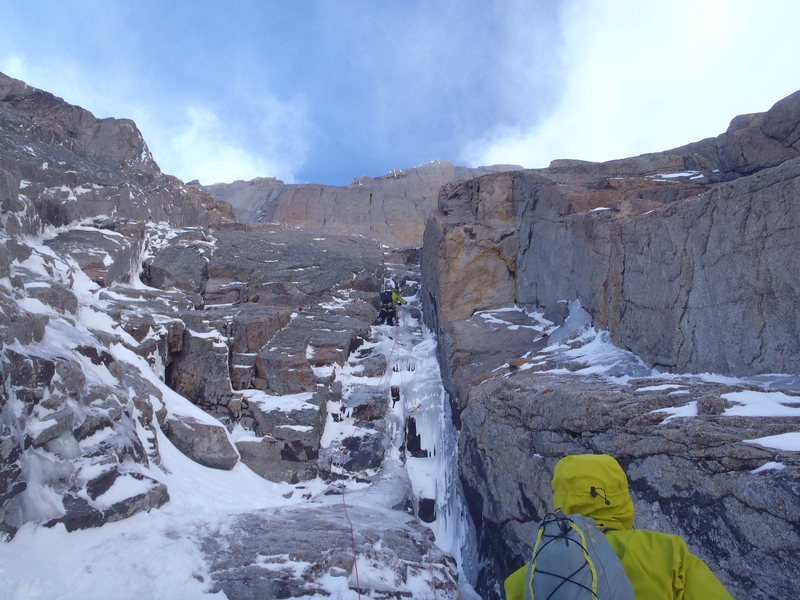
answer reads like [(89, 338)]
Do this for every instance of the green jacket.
[(659, 566)]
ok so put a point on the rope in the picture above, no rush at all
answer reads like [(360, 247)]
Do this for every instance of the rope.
[(357, 426), (353, 545)]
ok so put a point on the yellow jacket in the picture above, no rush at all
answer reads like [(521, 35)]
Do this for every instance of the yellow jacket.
[(397, 298), (659, 566)]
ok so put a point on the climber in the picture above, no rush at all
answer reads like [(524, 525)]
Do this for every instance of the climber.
[(390, 299), (659, 566)]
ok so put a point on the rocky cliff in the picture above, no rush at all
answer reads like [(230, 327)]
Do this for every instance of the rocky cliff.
[(392, 209), (677, 254), (682, 261), (217, 383)]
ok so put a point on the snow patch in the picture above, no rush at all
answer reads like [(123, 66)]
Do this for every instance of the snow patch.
[(687, 410), (762, 404), (789, 442)]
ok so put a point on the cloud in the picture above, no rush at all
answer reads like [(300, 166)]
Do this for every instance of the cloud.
[(203, 149), (13, 65), (648, 76), (206, 147)]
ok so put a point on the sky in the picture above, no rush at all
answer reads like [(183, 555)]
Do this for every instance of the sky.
[(322, 91)]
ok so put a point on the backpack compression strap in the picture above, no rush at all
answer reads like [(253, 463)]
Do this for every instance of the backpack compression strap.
[(565, 525)]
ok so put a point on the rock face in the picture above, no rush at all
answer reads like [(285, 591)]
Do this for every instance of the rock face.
[(134, 314), (79, 426), (262, 351), (681, 265), (129, 339), (392, 209), (224, 314), (529, 397), (685, 258)]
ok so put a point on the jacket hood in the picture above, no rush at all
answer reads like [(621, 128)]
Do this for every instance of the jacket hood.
[(593, 485)]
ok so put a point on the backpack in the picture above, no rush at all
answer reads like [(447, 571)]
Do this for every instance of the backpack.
[(386, 298), (572, 560)]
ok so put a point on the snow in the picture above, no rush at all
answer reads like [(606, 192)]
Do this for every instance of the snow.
[(94, 565), (295, 427), (599, 355), (286, 403), (124, 487), (576, 341), (655, 388), (789, 442), (284, 563), (687, 410), (770, 466), (422, 472), (34, 428), (762, 404), (150, 555), (323, 371), (239, 434), (491, 316), (690, 174)]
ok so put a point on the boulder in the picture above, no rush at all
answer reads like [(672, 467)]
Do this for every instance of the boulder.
[(57, 296), (205, 443), (105, 504), (295, 419), (303, 353)]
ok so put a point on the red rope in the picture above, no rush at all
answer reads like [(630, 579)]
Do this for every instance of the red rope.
[(342, 450)]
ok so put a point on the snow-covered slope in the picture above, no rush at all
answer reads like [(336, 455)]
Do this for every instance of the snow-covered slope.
[(202, 541)]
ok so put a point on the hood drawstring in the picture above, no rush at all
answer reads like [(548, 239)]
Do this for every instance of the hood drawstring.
[(600, 492)]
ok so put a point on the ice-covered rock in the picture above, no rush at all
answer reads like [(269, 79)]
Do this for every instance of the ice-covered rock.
[(309, 551)]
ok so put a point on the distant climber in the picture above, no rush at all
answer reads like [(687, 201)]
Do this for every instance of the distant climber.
[(659, 566), (390, 299)]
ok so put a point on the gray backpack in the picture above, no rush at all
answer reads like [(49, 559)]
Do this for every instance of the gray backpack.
[(572, 560)]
